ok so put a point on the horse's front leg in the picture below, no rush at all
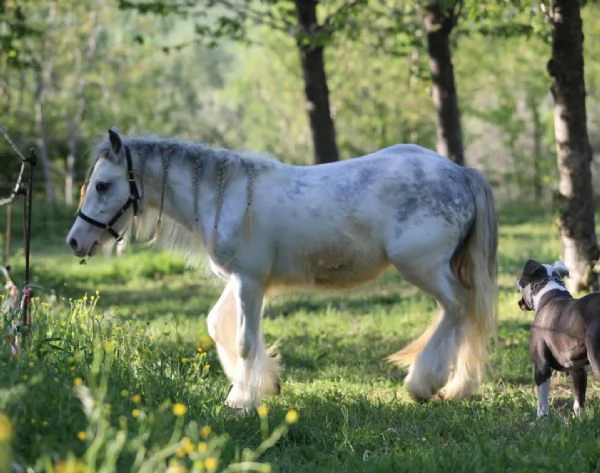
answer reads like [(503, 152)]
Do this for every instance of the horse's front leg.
[(222, 327), (256, 372)]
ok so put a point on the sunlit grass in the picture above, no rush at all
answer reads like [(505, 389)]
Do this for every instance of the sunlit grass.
[(120, 375)]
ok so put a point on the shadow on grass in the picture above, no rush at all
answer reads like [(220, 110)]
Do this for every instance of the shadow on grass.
[(341, 429)]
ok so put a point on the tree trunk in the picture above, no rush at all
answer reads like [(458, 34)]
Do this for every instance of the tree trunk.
[(439, 23), (77, 119), (42, 139), (538, 136), (575, 196), (311, 50)]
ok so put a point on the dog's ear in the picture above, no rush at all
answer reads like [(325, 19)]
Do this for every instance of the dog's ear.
[(561, 269), (532, 271)]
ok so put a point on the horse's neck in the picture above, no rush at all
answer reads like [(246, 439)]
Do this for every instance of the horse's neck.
[(167, 187)]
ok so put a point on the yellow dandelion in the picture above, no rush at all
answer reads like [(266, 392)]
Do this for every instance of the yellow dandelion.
[(205, 431), (78, 381), (187, 445), (263, 410), (5, 428), (136, 413), (202, 447), (81, 435), (291, 417), (176, 467), (180, 452), (179, 409), (211, 463), (136, 398), (71, 465)]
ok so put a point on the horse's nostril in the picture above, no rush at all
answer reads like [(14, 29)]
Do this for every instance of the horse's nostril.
[(73, 244)]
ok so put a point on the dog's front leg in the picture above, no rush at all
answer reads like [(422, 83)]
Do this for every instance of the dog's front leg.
[(542, 383), (579, 379)]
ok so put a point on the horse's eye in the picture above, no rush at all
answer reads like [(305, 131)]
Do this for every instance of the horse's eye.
[(102, 187)]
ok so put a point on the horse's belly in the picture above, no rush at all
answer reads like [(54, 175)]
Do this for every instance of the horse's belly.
[(345, 275), (337, 267)]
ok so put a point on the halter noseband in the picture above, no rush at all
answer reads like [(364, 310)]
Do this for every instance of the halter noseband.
[(134, 196)]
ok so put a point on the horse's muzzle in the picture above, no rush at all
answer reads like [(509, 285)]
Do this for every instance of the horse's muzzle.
[(82, 244)]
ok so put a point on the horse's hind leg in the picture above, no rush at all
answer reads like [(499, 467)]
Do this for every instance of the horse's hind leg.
[(434, 354), (221, 322), (256, 372)]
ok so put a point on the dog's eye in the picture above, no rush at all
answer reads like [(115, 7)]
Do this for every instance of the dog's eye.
[(102, 187)]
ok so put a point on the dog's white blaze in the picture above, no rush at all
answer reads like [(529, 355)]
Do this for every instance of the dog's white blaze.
[(550, 286), (543, 393)]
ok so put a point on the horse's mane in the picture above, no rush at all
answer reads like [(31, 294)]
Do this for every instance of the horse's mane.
[(205, 163)]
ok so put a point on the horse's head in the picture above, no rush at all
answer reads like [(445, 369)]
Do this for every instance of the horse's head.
[(109, 199)]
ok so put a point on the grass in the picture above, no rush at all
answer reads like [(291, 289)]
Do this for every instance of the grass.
[(120, 376)]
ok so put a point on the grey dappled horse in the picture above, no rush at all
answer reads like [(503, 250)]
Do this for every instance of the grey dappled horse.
[(268, 226)]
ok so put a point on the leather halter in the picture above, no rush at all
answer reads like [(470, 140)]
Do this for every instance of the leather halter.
[(134, 196)]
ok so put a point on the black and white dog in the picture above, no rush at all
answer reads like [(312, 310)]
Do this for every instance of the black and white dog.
[(565, 334)]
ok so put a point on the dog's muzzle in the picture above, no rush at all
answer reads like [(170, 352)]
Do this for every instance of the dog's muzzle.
[(523, 305)]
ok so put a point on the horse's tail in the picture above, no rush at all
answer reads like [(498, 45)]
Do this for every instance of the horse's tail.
[(474, 264)]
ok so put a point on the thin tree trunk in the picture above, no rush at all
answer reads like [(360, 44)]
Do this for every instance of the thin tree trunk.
[(439, 22), (75, 124), (538, 135), (575, 193), (43, 77), (42, 140), (315, 82)]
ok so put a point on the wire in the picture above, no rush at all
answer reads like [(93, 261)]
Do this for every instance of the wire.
[(17, 189)]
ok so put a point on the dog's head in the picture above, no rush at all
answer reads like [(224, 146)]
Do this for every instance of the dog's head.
[(537, 276)]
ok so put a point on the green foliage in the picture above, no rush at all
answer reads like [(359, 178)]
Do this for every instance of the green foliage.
[(501, 19), (105, 397), (150, 74)]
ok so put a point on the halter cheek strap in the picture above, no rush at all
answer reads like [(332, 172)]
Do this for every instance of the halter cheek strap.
[(134, 197)]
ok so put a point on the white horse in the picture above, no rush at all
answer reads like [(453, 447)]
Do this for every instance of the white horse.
[(267, 226)]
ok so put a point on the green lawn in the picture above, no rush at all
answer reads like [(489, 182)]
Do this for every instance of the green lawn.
[(101, 376)]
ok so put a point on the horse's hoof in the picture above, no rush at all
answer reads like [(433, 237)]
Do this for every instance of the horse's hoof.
[(418, 399), (418, 393), (240, 400)]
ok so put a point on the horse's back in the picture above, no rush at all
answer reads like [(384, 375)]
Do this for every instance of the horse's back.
[(342, 223)]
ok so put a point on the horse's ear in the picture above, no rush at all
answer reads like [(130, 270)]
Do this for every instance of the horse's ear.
[(114, 136), (561, 269)]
